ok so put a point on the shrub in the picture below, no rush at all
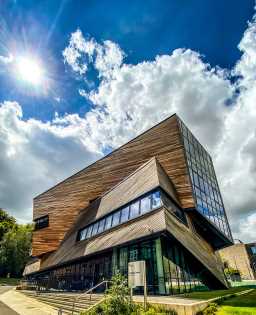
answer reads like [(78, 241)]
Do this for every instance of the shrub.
[(117, 300), (211, 309), (156, 310)]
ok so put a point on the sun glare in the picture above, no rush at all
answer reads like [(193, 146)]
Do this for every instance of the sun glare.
[(29, 70)]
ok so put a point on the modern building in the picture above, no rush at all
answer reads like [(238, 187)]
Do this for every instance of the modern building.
[(241, 257), (156, 198)]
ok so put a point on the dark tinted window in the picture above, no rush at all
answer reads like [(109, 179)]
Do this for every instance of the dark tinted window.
[(42, 222)]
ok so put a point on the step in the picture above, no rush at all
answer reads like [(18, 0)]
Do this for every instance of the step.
[(63, 295), (65, 301), (70, 302), (80, 296), (65, 307), (85, 298)]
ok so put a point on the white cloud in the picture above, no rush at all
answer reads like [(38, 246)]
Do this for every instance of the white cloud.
[(36, 155), (132, 98), (246, 229), (236, 157), (81, 52), (247, 64), (129, 99), (72, 53)]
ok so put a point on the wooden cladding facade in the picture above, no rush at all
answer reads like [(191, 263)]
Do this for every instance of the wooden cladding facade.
[(64, 201)]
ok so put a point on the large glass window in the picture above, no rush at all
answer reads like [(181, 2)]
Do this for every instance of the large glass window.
[(89, 233), (253, 249), (156, 199), (108, 222), (145, 204), (83, 234), (136, 208), (116, 218), (204, 182), (173, 208), (95, 228), (141, 206), (133, 253), (101, 225), (125, 214)]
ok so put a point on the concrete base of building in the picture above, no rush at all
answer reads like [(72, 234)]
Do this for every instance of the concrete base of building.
[(181, 305)]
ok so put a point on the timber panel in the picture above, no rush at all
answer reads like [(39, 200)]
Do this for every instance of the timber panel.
[(146, 225), (64, 201)]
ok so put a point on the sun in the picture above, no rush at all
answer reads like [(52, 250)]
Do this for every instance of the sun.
[(29, 70)]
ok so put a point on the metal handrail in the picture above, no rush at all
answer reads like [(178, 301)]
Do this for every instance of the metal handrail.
[(87, 292)]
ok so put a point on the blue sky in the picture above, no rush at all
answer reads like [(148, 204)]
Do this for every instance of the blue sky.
[(143, 29), (80, 78)]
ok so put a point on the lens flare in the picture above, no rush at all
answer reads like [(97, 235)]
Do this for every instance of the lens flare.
[(29, 70)]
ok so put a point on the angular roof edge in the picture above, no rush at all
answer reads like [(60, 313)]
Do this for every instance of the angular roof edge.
[(105, 156)]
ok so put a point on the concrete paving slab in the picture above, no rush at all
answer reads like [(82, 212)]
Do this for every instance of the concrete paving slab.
[(4, 309), (24, 305)]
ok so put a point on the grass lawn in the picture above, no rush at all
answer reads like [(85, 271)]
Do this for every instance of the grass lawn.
[(9, 281), (206, 295), (239, 305)]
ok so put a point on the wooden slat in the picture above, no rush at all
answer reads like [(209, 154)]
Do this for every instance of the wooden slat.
[(63, 202), (141, 227)]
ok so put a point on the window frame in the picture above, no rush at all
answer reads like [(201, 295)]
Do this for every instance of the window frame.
[(110, 217), (199, 162), (44, 223)]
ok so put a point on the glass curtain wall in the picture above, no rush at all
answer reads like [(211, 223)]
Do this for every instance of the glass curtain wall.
[(178, 271), (167, 265), (204, 182), (77, 276)]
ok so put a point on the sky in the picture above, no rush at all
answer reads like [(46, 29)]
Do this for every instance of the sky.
[(80, 78)]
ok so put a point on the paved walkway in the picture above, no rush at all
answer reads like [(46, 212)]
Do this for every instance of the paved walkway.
[(16, 303), (4, 309)]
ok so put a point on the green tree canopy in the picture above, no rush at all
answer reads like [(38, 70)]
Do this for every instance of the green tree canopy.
[(7, 223), (15, 245)]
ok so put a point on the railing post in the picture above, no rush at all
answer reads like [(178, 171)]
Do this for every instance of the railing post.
[(87, 292)]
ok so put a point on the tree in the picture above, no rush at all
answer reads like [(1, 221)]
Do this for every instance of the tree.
[(15, 249), (7, 223), (117, 300)]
